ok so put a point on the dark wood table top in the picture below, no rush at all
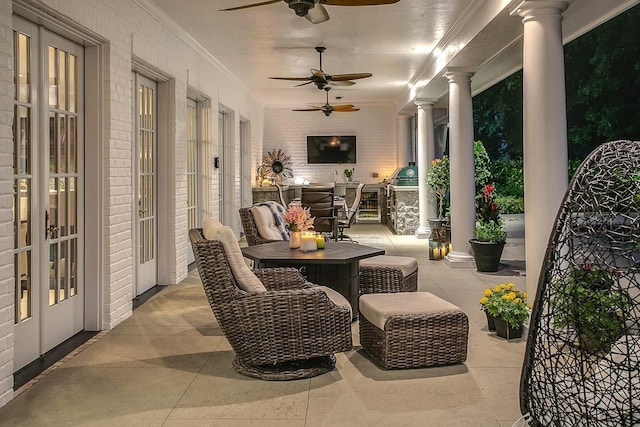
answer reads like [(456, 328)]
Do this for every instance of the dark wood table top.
[(334, 253)]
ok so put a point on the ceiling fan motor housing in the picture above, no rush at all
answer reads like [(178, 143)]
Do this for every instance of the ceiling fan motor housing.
[(301, 7)]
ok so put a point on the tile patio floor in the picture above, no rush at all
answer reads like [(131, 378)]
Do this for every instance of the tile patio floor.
[(169, 365)]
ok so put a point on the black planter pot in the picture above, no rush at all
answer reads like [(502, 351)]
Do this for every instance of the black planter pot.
[(504, 329), (491, 322), (487, 255)]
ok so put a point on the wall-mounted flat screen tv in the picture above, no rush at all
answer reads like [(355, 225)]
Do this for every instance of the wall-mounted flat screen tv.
[(331, 149)]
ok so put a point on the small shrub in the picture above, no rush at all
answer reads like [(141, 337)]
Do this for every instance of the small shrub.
[(508, 177), (510, 204)]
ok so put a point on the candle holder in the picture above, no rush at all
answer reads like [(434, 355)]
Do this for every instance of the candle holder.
[(308, 242), (439, 244)]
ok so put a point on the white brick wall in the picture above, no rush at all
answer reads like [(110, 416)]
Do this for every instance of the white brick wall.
[(132, 29), (374, 126), (6, 204)]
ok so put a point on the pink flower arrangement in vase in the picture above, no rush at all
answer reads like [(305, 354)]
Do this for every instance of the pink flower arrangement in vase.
[(298, 219)]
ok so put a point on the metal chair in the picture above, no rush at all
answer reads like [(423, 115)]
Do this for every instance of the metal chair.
[(321, 200), (352, 214)]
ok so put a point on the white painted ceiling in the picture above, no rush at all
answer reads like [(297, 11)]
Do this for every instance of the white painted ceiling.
[(406, 46)]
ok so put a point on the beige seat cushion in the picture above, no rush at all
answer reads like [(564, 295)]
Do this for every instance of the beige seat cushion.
[(265, 223), (247, 281), (403, 263), (378, 308), (337, 298)]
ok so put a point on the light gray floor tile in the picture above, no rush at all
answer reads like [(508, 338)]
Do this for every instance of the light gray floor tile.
[(170, 365)]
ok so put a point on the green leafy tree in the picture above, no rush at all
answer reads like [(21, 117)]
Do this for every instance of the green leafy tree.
[(602, 80), (482, 165)]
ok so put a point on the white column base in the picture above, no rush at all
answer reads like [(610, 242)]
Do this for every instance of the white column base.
[(459, 260), (423, 232)]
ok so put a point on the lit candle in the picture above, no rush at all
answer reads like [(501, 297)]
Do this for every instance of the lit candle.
[(436, 253), (308, 243), (450, 247), (319, 241)]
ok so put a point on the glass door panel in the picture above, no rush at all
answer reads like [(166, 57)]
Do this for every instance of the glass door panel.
[(145, 116), (47, 183)]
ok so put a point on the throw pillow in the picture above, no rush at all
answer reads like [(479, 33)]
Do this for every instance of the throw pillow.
[(247, 281), (265, 223)]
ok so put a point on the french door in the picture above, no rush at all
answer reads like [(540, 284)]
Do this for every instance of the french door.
[(48, 190), (146, 218), (193, 171)]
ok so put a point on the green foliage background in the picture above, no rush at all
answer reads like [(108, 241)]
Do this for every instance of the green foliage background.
[(602, 80)]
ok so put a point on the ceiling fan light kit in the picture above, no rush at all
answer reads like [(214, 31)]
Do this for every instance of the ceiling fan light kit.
[(301, 7)]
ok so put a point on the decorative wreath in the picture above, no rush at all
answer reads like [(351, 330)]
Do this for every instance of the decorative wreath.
[(276, 166)]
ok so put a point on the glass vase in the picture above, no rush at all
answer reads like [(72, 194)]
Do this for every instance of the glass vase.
[(294, 240)]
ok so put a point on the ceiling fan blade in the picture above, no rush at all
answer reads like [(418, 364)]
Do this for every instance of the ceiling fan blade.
[(264, 3), (294, 79), (347, 111), (317, 15), (308, 109), (302, 84), (342, 107), (358, 2), (341, 83), (353, 76)]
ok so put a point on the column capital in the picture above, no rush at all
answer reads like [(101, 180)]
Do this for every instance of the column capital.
[(530, 9), (425, 102), (458, 74)]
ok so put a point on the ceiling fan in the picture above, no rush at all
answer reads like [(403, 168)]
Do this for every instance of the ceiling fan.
[(313, 10), (322, 79), (327, 109)]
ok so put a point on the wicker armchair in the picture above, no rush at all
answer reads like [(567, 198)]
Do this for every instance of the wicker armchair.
[(250, 229), (289, 332), (582, 361)]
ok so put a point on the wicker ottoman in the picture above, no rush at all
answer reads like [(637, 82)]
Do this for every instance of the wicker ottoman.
[(385, 274), (412, 329)]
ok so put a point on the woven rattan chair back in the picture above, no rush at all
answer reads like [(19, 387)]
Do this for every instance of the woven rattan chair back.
[(250, 229), (582, 361)]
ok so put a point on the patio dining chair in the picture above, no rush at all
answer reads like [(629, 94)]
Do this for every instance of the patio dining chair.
[(321, 201), (352, 214), (280, 326)]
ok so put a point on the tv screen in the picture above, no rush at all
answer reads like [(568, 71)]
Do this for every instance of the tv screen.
[(331, 149)]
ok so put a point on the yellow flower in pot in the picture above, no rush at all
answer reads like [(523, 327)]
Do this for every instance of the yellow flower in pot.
[(508, 306)]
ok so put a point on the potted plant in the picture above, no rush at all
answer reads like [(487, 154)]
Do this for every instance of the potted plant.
[(438, 180), (587, 302), (490, 235), (297, 219), (508, 309), (348, 173)]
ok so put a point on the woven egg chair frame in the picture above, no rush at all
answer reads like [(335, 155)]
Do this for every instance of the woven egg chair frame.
[(582, 358)]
